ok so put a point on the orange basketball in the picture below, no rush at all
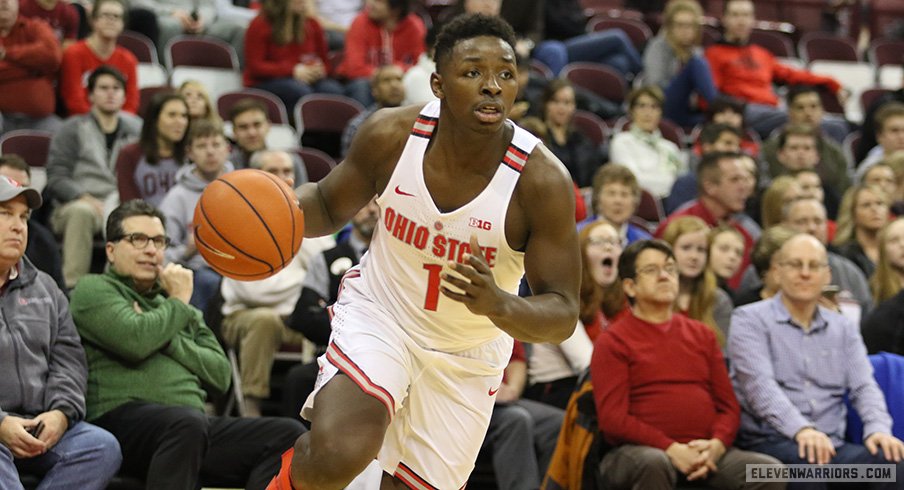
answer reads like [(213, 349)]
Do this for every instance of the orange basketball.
[(248, 225)]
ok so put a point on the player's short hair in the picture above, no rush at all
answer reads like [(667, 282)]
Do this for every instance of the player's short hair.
[(245, 105), (128, 209), (712, 131), (16, 162), (469, 26), (105, 70), (203, 128), (627, 261)]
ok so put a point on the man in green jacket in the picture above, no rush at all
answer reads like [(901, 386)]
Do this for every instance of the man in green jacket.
[(149, 357)]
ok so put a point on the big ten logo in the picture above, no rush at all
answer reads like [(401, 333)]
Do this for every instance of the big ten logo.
[(479, 223)]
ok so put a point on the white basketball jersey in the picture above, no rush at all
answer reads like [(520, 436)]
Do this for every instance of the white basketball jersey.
[(414, 240)]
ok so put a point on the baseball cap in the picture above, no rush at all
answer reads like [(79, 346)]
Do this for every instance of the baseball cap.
[(9, 189)]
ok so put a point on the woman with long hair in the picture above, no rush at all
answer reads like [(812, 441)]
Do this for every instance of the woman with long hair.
[(199, 104), (883, 328), (699, 296), (864, 212), (674, 61), (147, 169), (286, 53), (579, 155), (781, 191), (554, 368)]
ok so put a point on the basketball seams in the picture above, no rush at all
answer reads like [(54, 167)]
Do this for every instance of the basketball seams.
[(260, 218), (291, 208), (234, 247)]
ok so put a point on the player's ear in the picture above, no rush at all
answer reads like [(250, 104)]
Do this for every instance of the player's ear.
[(436, 84)]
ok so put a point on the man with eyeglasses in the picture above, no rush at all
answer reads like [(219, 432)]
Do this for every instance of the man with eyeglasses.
[(42, 389), (792, 362), (663, 397), (150, 355)]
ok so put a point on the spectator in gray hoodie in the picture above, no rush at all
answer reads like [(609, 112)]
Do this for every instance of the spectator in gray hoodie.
[(209, 152), (80, 177), (42, 389)]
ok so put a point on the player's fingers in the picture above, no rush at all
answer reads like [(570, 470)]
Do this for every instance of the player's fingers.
[(465, 270), (461, 298), (479, 263), (458, 282)]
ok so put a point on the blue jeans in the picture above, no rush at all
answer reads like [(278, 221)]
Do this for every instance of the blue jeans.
[(785, 450), (290, 90), (359, 89), (86, 457), (206, 283), (694, 78), (764, 119), (611, 47)]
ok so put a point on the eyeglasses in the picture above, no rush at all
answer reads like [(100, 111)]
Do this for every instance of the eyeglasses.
[(602, 242), (656, 270), (109, 16), (798, 266), (140, 240)]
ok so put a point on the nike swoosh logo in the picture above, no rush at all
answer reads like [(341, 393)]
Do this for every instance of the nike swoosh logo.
[(402, 193), (492, 392)]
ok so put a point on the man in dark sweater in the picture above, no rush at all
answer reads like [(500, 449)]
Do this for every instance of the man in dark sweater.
[(149, 356), (662, 392)]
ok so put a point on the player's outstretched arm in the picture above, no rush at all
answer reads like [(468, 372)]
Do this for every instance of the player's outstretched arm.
[(552, 261), (330, 203)]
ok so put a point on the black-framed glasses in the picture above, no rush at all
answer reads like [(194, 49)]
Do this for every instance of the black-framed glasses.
[(140, 240)]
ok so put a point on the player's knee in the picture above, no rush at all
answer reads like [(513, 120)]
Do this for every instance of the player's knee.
[(339, 456)]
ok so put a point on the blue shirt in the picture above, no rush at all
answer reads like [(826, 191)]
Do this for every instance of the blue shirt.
[(630, 232), (787, 378)]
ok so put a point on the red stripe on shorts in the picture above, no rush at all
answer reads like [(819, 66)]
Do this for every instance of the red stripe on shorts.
[(339, 359), (411, 479)]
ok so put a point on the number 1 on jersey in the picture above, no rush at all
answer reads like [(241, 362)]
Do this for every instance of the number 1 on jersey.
[(433, 278)]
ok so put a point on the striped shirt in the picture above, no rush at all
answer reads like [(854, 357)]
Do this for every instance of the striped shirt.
[(787, 378)]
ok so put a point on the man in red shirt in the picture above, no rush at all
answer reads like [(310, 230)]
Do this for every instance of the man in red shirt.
[(748, 71), (723, 188), (60, 14), (29, 59), (662, 392)]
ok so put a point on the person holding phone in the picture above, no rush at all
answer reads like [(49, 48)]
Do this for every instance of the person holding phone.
[(42, 391)]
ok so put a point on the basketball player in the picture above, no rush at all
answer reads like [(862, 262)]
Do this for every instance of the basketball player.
[(423, 327)]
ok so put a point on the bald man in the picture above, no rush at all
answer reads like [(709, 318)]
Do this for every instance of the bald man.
[(793, 360)]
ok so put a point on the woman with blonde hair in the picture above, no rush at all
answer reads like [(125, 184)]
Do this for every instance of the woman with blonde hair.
[(553, 369), (674, 61), (782, 191), (199, 104), (863, 213), (699, 296), (883, 329)]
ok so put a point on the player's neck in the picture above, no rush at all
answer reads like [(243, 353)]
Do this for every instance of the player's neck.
[(464, 149)]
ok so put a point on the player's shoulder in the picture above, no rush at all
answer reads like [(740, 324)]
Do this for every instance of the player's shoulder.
[(544, 171)]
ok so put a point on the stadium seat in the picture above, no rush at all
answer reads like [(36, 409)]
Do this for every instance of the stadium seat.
[(869, 96), (591, 126), (597, 78), (140, 45), (639, 32), (321, 120), (316, 162), (540, 69), (146, 93), (856, 76), (208, 60), (815, 46), (886, 52), (276, 110), (778, 43), (34, 147), (650, 208)]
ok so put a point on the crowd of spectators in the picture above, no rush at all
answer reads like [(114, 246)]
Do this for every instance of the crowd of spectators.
[(730, 338)]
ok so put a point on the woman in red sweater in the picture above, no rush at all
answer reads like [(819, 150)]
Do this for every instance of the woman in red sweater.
[(286, 53), (100, 48)]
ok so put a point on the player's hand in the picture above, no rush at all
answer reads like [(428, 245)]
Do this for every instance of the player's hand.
[(686, 459), (55, 425), (892, 447), (479, 291), (14, 435), (176, 281), (813, 445)]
